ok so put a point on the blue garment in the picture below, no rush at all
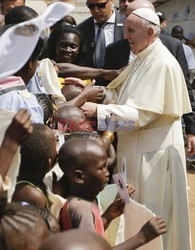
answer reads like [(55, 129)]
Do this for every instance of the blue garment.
[(35, 84), (17, 99)]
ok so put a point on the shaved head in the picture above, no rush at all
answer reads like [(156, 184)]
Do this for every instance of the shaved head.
[(136, 4), (76, 239)]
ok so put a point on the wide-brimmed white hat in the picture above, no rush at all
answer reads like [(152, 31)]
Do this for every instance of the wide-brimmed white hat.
[(19, 41)]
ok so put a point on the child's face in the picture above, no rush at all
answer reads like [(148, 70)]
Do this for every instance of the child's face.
[(96, 173)]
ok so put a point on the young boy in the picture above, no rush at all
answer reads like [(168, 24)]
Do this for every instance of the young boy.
[(84, 163), (38, 156)]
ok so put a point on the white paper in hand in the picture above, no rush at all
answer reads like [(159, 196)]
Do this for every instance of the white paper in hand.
[(121, 186)]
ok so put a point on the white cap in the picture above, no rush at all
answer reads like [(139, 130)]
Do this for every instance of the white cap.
[(19, 41), (148, 15)]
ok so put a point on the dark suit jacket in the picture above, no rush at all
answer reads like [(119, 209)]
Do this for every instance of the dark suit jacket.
[(117, 56), (88, 29)]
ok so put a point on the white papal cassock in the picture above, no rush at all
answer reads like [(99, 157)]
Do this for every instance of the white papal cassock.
[(151, 93)]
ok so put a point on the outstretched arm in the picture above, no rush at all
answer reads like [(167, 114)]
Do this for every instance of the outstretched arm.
[(19, 129), (152, 229), (68, 70)]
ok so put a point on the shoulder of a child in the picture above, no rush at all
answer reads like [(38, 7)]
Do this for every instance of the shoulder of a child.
[(80, 213), (78, 204), (30, 194)]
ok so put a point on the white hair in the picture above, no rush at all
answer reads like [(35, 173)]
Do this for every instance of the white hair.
[(149, 24)]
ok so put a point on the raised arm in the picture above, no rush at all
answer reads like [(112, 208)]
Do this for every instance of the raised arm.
[(19, 129)]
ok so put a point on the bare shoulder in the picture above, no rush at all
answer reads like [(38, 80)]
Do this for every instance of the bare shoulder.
[(30, 194)]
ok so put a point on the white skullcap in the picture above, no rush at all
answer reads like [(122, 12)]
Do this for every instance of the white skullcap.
[(19, 41), (148, 15)]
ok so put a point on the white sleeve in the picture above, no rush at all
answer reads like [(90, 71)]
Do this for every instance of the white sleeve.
[(127, 114), (131, 118)]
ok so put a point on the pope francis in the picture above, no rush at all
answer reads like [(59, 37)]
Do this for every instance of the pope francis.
[(151, 94)]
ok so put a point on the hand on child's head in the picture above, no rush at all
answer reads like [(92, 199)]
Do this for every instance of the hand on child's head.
[(152, 229), (93, 93), (73, 81), (20, 127), (112, 122)]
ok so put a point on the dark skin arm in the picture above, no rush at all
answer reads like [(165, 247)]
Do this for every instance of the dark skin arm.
[(111, 153), (116, 208), (19, 129), (89, 93), (30, 195), (112, 212), (68, 70), (152, 229)]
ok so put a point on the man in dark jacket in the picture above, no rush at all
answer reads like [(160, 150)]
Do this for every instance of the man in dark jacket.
[(105, 17)]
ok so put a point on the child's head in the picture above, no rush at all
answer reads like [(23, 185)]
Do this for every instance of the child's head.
[(48, 217), (49, 109), (84, 164), (21, 227), (38, 154), (28, 70), (73, 119), (20, 14), (76, 239), (93, 135), (71, 91), (7, 5)]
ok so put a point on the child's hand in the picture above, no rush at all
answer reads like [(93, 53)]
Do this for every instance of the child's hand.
[(130, 190), (112, 212), (20, 127), (152, 229), (73, 81), (112, 122), (93, 94), (115, 209)]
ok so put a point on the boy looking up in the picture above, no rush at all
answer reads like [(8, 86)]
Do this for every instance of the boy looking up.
[(84, 164)]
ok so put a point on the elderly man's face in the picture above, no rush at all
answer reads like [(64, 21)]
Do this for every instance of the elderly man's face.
[(7, 5), (136, 33), (101, 13)]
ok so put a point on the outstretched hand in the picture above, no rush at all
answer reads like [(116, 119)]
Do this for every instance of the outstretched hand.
[(130, 190), (115, 209), (152, 229), (73, 81), (112, 122), (93, 94), (111, 74)]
